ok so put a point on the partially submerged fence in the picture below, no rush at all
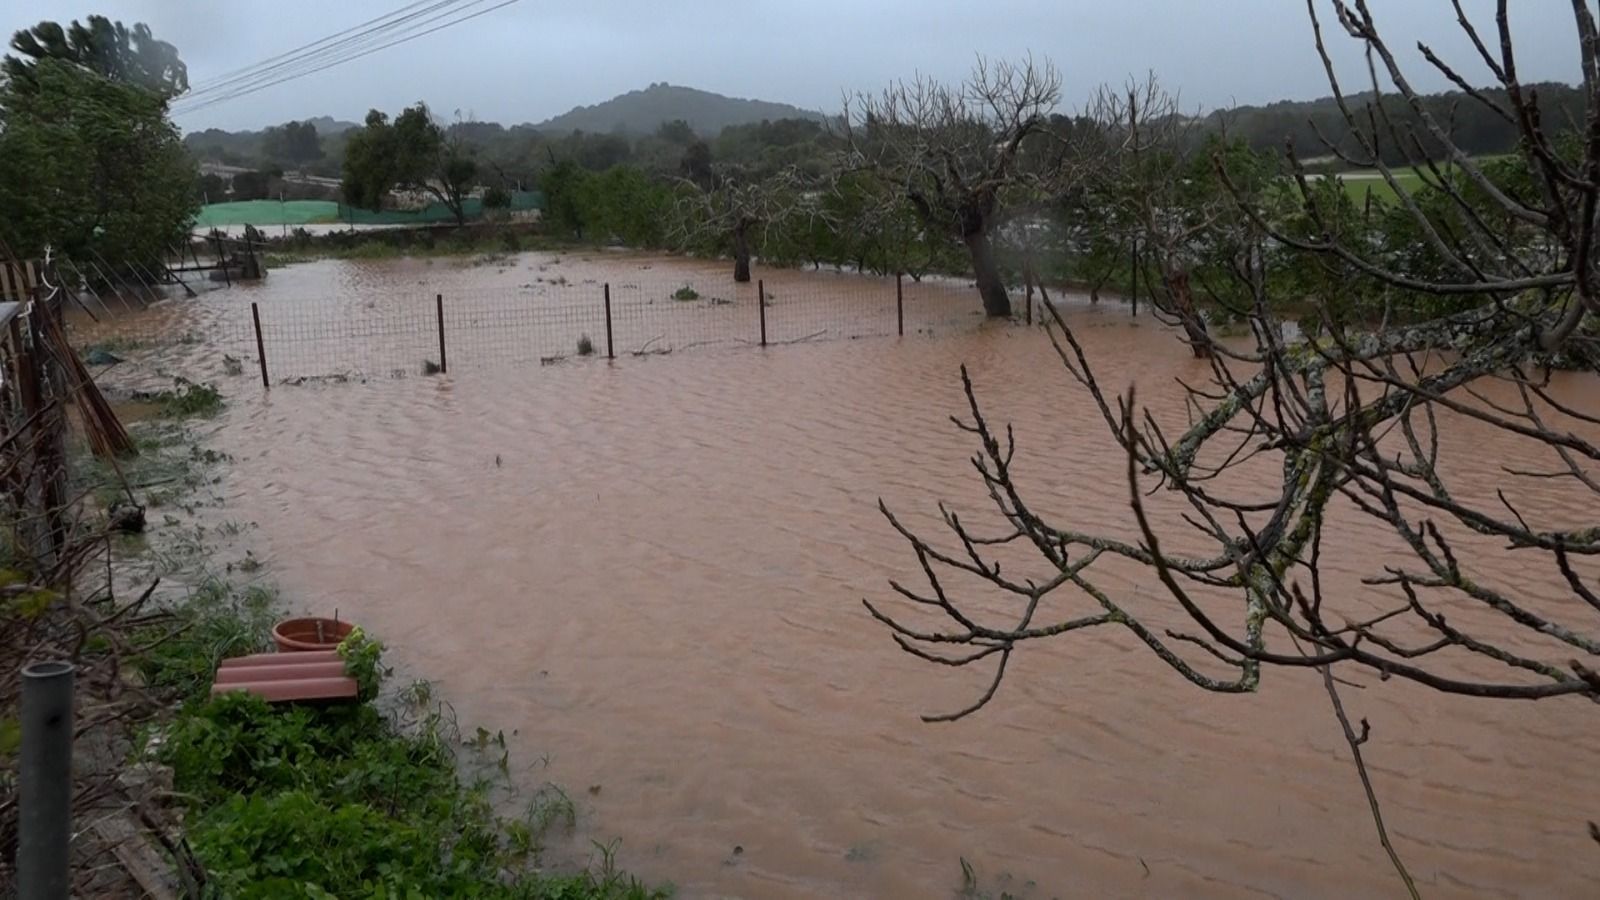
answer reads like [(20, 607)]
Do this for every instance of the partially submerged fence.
[(359, 336)]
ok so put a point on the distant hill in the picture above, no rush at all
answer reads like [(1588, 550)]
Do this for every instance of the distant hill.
[(641, 112), (327, 125)]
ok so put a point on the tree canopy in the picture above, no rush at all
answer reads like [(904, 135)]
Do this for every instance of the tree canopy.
[(411, 153), (130, 56), (91, 166), (295, 143)]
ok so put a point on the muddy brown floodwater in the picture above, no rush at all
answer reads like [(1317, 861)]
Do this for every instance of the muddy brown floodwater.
[(652, 570)]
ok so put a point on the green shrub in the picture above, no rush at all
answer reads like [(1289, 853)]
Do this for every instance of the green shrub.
[(686, 293), (363, 661), (338, 802)]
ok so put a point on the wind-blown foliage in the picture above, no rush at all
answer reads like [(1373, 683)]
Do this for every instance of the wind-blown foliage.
[(91, 166), (131, 56)]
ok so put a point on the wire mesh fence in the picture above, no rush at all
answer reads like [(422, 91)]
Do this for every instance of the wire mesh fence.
[(421, 332)]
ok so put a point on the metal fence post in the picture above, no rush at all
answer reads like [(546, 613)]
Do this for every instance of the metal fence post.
[(261, 347), (44, 827), (761, 304), (900, 303), (438, 306), (611, 352)]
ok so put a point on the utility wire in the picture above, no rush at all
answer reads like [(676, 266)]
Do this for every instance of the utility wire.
[(253, 87), (226, 76), (403, 19)]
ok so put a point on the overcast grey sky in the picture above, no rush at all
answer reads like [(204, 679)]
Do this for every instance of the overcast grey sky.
[(538, 58)]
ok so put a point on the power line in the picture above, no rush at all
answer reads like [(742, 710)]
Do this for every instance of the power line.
[(208, 85), (254, 86), (344, 43)]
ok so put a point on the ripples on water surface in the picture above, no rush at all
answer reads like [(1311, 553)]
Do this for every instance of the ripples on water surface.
[(652, 570)]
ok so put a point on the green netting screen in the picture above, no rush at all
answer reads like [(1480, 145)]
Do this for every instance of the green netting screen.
[(326, 212)]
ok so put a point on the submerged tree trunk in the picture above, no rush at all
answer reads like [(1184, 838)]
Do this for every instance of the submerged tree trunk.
[(741, 255), (991, 287), (1194, 327)]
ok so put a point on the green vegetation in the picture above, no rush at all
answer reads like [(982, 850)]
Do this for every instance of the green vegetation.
[(686, 293), (1357, 189), (344, 801), (93, 166), (413, 153), (585, 345), (109, 50), (184, 399)]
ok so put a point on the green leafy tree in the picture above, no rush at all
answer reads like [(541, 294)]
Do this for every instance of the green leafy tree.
[(564, 186), (295, 143), (369, 163), (212, 188), (411, 153), (253, 185), (90, 165), (625, 204), (676, 132), (127, 55), (496, 197)]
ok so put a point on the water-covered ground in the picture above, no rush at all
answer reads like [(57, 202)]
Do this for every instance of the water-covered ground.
[(652, 571)]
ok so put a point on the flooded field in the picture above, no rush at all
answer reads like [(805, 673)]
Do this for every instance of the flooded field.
[(652, 571)]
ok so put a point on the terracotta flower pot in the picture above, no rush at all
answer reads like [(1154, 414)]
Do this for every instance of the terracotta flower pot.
[(310, 633)]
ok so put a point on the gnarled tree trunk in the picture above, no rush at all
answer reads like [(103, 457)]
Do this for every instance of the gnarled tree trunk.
[(741, 254), (991, 287), (1194, 327)]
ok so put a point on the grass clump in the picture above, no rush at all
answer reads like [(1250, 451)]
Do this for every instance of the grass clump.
[(585, 345), (686, 293), (184, 399), (219, 621)]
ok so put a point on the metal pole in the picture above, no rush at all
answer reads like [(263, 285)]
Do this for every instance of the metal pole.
[(1136, 278), (900, 303), (221, 261), (44, 828), (261, 347), (611, 352), (438, 303), (761, 304)]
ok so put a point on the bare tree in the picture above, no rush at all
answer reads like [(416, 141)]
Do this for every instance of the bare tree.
[(957, 153), (1148, 178), (1347, 423), (733, 208)]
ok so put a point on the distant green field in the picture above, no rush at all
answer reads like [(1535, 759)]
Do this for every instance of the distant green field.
[(1357, 188), (1357, 182)]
